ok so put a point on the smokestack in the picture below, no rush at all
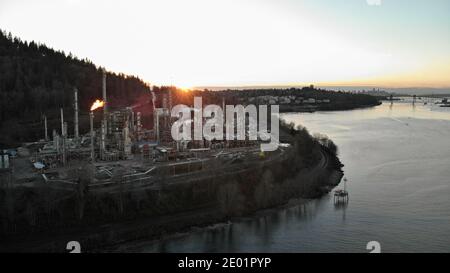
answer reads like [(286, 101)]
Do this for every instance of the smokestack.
[(153, 100), (103, 139), (92, 136), (169, 120), (105, 108), (132, 121), (105, 100), (126, 140), (76, 132), (65, 129), (64, 138), (138, 125), (45, 128), (156, 124), (55, 141), (62, 122)]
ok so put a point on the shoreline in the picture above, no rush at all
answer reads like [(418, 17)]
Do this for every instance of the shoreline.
[(196, 228), (334, 180), (313, 109)]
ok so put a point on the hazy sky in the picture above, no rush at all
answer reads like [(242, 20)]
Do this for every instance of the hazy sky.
[(248, 42)]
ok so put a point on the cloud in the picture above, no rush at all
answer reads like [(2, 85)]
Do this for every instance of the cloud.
[(373, 2)]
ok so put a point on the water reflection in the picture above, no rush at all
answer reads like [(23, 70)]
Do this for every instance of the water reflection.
[(257, 232), (341, 206)]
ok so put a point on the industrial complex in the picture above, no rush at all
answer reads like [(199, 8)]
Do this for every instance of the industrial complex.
[(120, 148)]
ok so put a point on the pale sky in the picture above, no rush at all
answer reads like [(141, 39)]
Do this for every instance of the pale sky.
[(392, 43)]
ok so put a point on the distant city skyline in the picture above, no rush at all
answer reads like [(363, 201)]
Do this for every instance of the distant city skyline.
[(385, 43)]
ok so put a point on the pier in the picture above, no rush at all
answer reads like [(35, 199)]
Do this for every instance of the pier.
[(341, 196)]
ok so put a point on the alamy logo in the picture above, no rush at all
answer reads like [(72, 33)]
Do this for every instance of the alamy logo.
[(235, 122)]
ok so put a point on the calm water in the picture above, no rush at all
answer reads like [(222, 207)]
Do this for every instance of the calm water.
[(397, 161)]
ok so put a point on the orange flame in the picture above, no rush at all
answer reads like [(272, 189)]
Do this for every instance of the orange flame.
[(97, 104)]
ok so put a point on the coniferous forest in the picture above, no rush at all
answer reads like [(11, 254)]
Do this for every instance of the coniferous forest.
[(36, 80)]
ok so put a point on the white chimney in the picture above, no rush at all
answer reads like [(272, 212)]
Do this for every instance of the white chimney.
[(45, 128), (76, 130), (92, 136), (105, 100), (62, 122)]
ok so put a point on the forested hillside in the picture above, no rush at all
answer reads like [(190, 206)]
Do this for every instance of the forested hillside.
[(37, 80)]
